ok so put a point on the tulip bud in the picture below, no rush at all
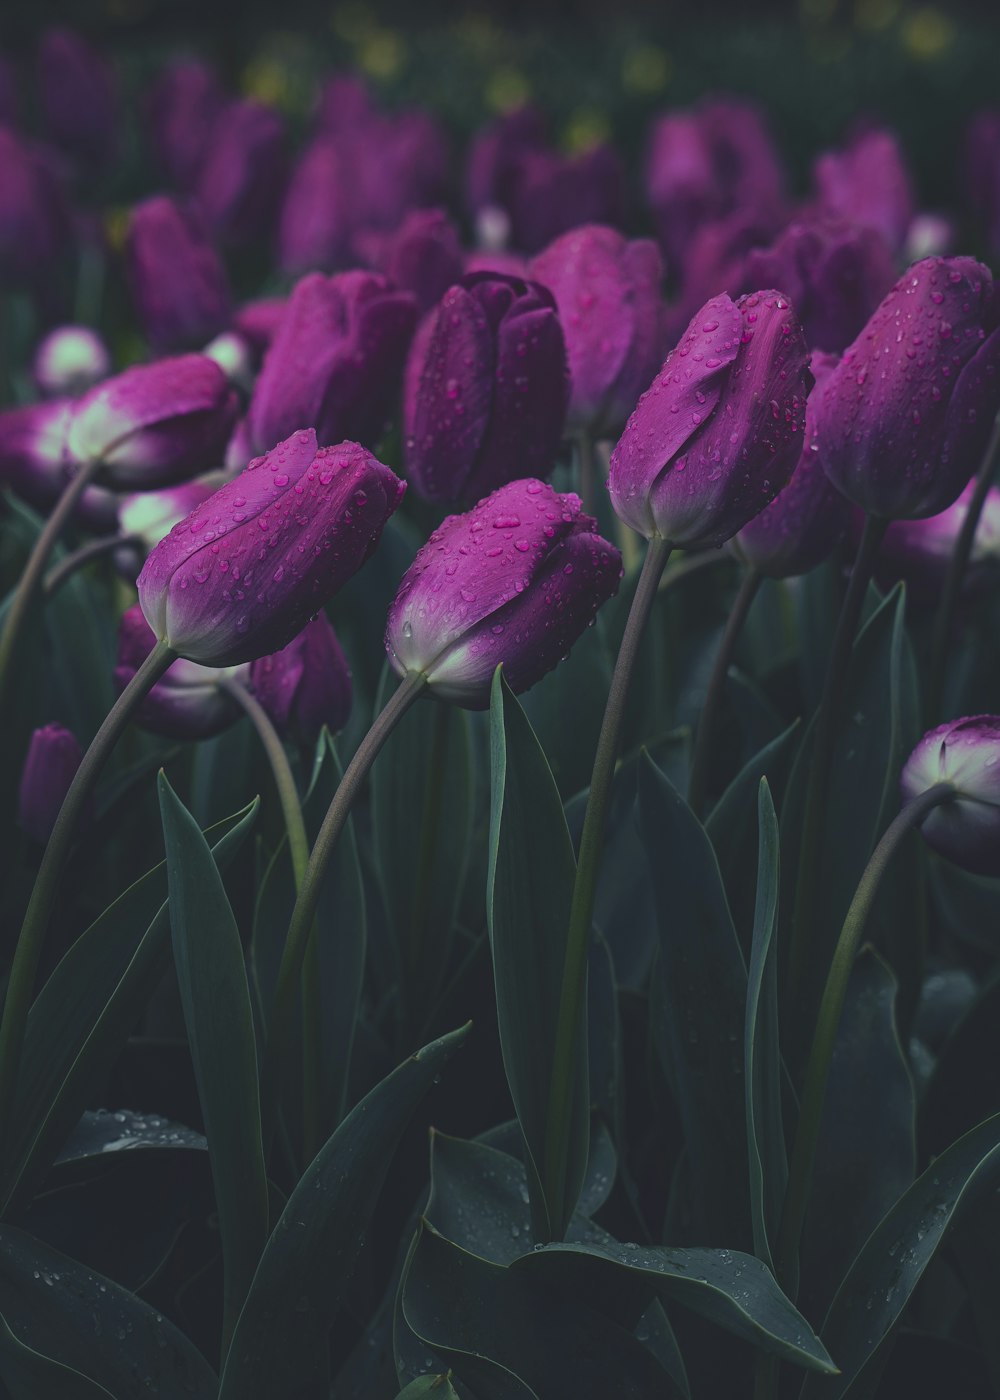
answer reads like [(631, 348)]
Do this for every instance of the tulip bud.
[(344, 105), (307, 684), (716, 435), (807, 518), (34, 463), (335, 362), (516, 580), (78, 98), (904, 418), (607, 292), (258, 321), (920, 551), (240, 576), (178, 283), (54, 755), (494, 155), (423, 256), (316, 221), (868, 184), (34, 220), (181, 110), (241, 179), (155, 424), (553, 193), (965, 753), (835, 275), (486, 388), (398, 163), (185, 703), (69, 360)]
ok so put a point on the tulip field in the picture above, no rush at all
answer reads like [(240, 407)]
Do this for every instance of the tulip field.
[(500, 712)]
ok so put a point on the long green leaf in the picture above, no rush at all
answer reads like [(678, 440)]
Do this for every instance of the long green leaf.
[(305, 1270), (528, 896), (429, 1388), (28, 1375), (215, 997)]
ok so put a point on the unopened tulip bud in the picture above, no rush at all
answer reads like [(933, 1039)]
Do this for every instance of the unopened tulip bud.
[(920, 551), (35, 463), (54, 755), (516, 580), (241, 179), (868, 184), (185, 703), (34, 219), (69, 360), (181, 110), (178, 283), (78, 97), (965, 753), (307, 684)]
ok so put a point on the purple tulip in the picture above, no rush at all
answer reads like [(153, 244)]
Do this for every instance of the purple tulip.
[(155, 424), (54, 755), (78, 98), (180, 112), (807, 518), (35, 464), (187, 702), (34, 219), (307, 684), (494, 156), (240, 576), (868, 184), (317, 219), (515, 580), (835, 275), (486, 389), (424, 256), (241, 180), (920, 551), (905, 417), (69, 360), (178, 283), (258, 322), (553, 193), (400, 163), (335, 362), (607, 292), (716, 435), (716, 258), (966, 753), (345, 105)]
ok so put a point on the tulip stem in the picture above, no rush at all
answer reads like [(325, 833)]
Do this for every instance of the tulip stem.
[(824, 737), (707, 724), (27, 953), (414, 962), (304, 912), (586, 477), (827, 1021), (31, 577), (574, 982), (59, 573), (957, 566)]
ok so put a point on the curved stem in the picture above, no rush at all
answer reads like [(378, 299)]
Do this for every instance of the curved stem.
[(827, 1021), (752, 579), (430, 829), (59, 573), (296, 940), (957, 566), (31, 578), (827, 722), (574, 981), (27, 953)]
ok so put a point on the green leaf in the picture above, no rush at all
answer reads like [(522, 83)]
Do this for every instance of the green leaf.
[(528, 896), (77, 1319), (698, 999), (88, 1008), (28, 1375), (761, 1053), (733, 1290), (880, 1282), (212, 979), (429, 1388), (307, 1265)]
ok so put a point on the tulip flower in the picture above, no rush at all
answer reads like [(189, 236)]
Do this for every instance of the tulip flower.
[(307, 684), (344, 105), (494, 155), (920, 551), (966, 754), (34, 463), (516, 580), (180, 112), (423, 256), (316, 223), (78, 98), (486, 388), (69, 360), (807, 518), (903, 420), (34, 220), (607, 292), (240, 576), (177, 281), (54, 755), (187, 702), (241, 179), (553, 193), (717, 434), (335, 361), (154, 424), (835, 275), (868, 184)]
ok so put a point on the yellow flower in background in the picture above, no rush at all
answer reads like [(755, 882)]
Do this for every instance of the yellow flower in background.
[(381, 53), (927, 32), (875, 15), (507, 88), (646, 69), (587, 127)]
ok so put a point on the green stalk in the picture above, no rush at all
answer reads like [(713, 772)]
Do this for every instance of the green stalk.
[(304, 913), (707, 724), (574, 981), (957, 567), (59, 573), (827, 1021), (827, 721), (27, 953), (430, 831), (31, 578)]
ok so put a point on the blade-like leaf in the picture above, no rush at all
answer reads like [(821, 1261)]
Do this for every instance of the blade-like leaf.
[(212, 979), (307, 1265), (528, 896), (28, 1375), (429, 1388)]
